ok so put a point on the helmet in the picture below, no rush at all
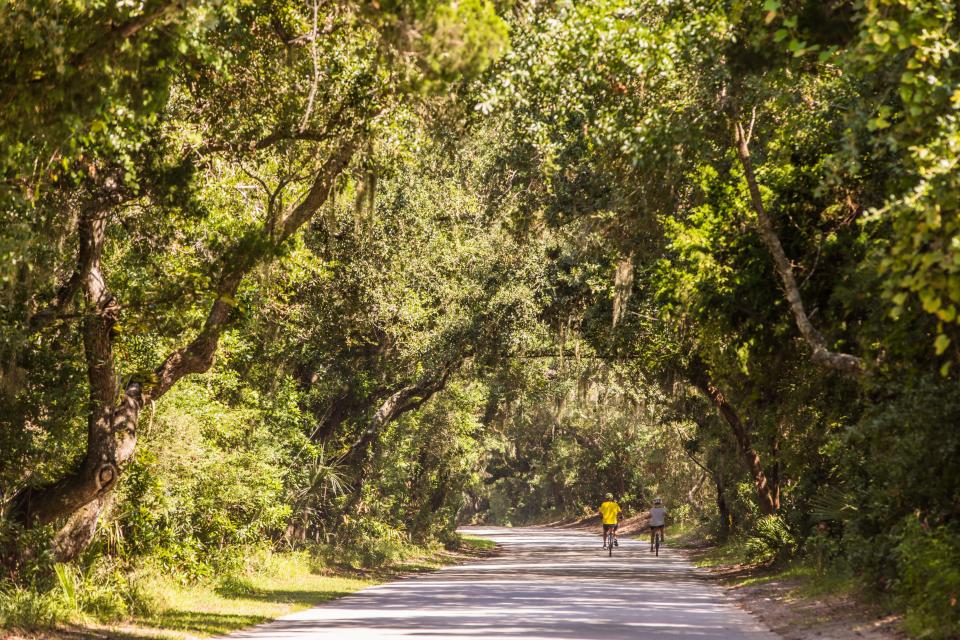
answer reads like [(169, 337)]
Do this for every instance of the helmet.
[(609, 496), (658, 501)]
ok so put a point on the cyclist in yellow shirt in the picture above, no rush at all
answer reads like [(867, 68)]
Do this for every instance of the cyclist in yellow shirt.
[(609, 511)]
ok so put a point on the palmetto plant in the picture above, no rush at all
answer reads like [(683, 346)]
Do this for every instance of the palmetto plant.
[(832, 504), (324, 479)]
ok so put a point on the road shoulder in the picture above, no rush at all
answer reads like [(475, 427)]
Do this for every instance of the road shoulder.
[(795, 608)]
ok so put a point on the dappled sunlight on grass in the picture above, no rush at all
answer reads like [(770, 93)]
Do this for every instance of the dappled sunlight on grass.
[(273, 585), (732, 553), (477, 543), (206, 610)]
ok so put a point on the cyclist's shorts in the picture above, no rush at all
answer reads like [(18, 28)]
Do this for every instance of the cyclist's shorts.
[(609, 527), (654, 527)]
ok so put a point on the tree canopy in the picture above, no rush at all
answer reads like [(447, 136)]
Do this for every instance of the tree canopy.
[(284, 273)]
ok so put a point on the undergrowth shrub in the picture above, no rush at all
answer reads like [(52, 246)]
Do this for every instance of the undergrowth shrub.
[(240, 569), (770, 540), (369, 543), (823, 551), (106, 590), (929, 584)]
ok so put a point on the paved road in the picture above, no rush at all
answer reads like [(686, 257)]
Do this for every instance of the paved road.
[(547, 584)]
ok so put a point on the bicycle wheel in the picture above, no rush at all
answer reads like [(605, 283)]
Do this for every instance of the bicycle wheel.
[(610, 545), (657, 544)]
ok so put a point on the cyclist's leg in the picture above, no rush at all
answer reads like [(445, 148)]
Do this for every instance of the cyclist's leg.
[(613, 533)]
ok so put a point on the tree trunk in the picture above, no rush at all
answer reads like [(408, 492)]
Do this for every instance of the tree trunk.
[(111, 427), (765, 498), (821, 354), (79, 529), (773, 474), (346, 406), (692, 493), (297, 527), (111, 424), (723, 511)]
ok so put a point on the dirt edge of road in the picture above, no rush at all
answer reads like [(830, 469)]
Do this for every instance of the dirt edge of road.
[(780, 604), (632, 526)]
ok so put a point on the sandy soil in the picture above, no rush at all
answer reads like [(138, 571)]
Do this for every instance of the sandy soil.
[(632, 526), (777, 604)]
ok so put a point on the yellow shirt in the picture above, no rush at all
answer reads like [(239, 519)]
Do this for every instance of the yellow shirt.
[(609, 510)]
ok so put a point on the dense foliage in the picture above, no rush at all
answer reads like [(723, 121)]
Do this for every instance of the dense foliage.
[(281, 273)]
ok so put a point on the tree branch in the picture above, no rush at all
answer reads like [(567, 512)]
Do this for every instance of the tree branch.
[(844, 362), (235, 264), (126, 31), (406, 399), (700, 380), (280, 135), (692, 457)]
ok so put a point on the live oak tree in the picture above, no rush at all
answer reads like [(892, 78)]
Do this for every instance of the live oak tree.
[(296, 90)]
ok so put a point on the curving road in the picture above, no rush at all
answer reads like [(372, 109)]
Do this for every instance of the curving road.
[(548, 584)]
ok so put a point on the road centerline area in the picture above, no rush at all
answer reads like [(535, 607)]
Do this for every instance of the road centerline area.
[(547, 584)]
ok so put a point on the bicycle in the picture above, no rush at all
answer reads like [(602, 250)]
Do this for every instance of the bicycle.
[(657, 538), (609, 542)]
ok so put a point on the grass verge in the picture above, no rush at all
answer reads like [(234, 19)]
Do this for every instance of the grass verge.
[(474, 544)]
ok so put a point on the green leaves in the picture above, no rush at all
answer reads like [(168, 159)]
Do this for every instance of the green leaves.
[(462, 39), (771, 7), (941, 343)]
